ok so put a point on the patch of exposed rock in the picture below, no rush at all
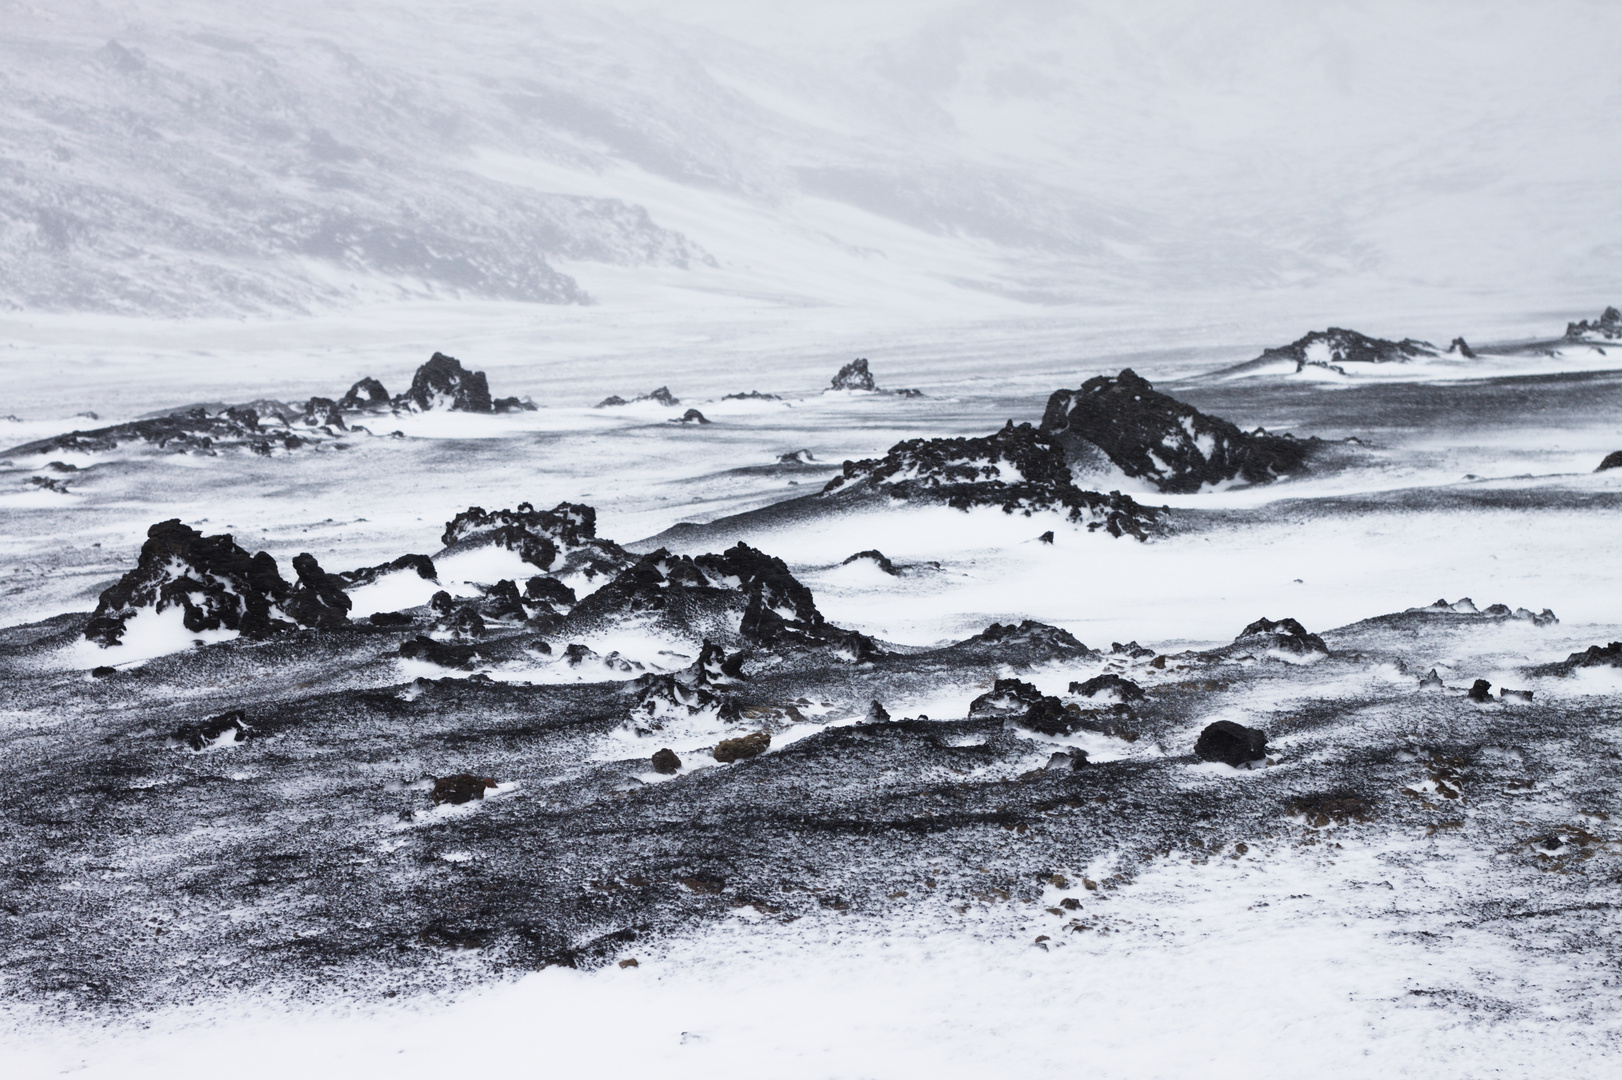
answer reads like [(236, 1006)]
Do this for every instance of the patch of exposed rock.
[(1018, 469), (1595, 656), (856, 376), (1154, 437), (1028, 642), (661, 396), (1284, 639), (1608, 327), (1231, 743), (1335, 347), (562, 540), (1613, 460), (1494, 612)]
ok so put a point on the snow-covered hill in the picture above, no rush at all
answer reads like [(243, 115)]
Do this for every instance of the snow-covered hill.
[(216, 156)]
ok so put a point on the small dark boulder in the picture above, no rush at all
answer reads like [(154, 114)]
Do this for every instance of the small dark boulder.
[(1480, 692), (103, 672), (1045, 538), (1231, 743), (549, 589), (1132, 650), (666, 762), (878, 559), (748, 746), (438, 652), (692, 416), (221, 730), (461, 788), (1284, 636), (1109, 684), (390, 618), (1613, 460), (876, 713), (1462, 348)]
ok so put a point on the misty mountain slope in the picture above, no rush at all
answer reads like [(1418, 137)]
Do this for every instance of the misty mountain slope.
[(216, 157)]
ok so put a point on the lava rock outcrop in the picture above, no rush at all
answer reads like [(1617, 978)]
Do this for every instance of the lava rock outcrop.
[(1231, 743), (1155, 437), (1017, 469), (1608, 327), (562, 540), (1284, 638), (216, 585), (1613, 460), (444, 383), (1334, 347)]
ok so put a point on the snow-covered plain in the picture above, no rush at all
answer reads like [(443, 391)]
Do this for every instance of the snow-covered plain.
[(210, 201)]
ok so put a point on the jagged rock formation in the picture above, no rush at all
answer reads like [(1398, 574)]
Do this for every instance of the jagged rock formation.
[(1462, 348), (1111, 686), (562, 540), (661, 396), (1028, 642), (741, 595), (267, 426), (877, 558), (854, 376), (1018, 469), (753, 395), (422, 565), (216, 584), (443, 383), (1231, 743), (1608, 327), (1497, 612), (1613, 460), (1286, 638), (1592, 657), (1154, 437), (691, 416), (318, 600), (1334, 347), (442, 654)]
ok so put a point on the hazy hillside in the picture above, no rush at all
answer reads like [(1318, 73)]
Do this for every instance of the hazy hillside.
[(228, 157)]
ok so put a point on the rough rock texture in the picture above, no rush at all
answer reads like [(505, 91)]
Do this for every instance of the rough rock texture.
[(748, 746), (1018, 469), (438, 652), (661, 396), (691, 416), (368, 393), (1462, 348), (853, 376), (1465, 608), (666, 762), (1284, 636), (1608, 327), (1028, 642), (443, 383), (226, 729), (877, 558), (1174, 446), (1231, 743), (318, 600), (194, 431), (710, 594), (422, 565), (1109, 685), (1334, 347), (461, 788), (1591, 657), (216, 584), (1613, 460), (1480, 692), (540, 537)]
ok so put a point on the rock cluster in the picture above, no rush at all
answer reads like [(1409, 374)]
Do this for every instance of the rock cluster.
[(661, 396), (856, 376), (1286, 636), (1608, 327), (562, 540), (1155, 437), (266, 426), (1017, 469), (1333, 347), (217, 586)]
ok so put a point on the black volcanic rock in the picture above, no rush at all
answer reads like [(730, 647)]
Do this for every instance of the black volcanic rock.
[(691, 416), (216, 584), (1333, 347), (444, 383), (422, 565), (1592, 657), (1007, 697), (1017, 469), (318, 600), (1027, 642), (194, 431), (1613, 460), (666, 762), (323, 412), (1110, 684), (539, 537), (1231, 743), (1174, 446), (1462, 348), (1607, 327), (661, 396), (548, 589), (1480, 692), (438, 652), (222, 730), (753, 395), (1284, 636), (877, 558), (711, 593), (459, 789), (368, 393), (853, 376)]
